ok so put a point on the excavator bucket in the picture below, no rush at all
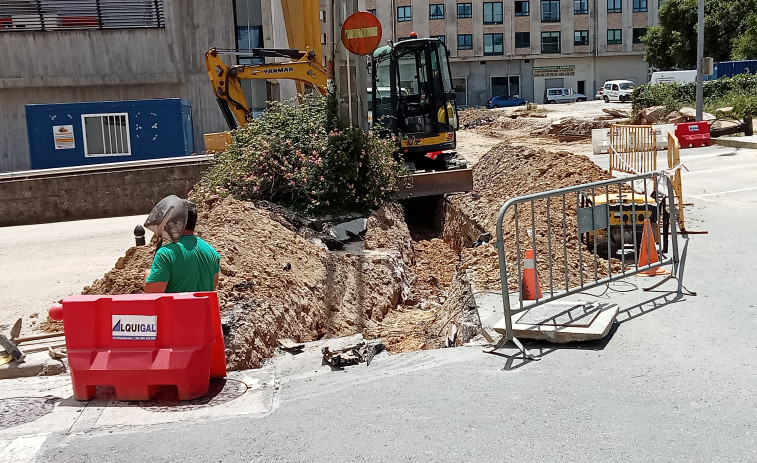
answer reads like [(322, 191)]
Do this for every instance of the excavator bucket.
[(436, 183)]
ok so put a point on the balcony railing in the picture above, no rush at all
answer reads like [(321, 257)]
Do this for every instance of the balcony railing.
[(56, 15)]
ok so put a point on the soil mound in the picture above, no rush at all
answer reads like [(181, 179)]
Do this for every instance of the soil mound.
[(506, 172), (276, 284)]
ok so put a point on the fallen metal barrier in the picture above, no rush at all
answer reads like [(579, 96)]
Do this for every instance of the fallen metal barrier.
[(595, 234), (633, 149)]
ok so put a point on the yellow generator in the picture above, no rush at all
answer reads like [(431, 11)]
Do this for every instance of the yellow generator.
[(618, 221)]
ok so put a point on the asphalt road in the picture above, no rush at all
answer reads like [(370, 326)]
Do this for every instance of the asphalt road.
[(675, 381)]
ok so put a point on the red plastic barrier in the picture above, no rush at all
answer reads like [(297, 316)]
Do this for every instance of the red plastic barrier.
[(691, 134), (137, 342)]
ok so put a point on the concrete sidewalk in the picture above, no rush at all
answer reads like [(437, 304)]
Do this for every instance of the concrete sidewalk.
[(749, 142)]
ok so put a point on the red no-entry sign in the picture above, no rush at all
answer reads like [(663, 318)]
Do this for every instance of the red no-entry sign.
[(361, 33)]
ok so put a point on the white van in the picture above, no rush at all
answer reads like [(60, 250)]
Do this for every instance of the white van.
[(679, 77), (562, 95), (617, 90)]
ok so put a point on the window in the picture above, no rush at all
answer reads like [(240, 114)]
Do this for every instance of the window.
[(638, 33), (614, 36), (550, 11), (464, 10), (493, 44), (465, 42), (372, 11), (522, 40), (639, 6), (81, 14), (461, 91), (581, 38), (580, 6), (106, 134), (404, 14), (436, 11), (521, 8), (614, 6), (493, 13), (550, 42), (440, 37), (249, 37)]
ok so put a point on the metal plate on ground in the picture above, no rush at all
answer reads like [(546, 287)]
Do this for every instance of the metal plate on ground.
[(577, 314), (20, 410), (220, 391)]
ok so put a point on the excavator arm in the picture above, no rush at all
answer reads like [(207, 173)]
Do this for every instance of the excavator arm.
[(227, 80)]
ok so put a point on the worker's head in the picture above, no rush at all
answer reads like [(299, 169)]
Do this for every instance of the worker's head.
[(191, 215)]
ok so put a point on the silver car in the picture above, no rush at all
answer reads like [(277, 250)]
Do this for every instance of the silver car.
[(562, 95)]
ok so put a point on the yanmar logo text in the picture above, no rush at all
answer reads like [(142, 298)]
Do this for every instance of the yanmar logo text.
[(278, 70), (135, 327)]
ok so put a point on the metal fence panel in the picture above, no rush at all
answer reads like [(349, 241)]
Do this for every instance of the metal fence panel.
[(591, 235), (633, 149)]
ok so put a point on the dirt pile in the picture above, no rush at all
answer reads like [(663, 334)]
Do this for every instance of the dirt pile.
[(506, 172), (571, 129), (276, 284)]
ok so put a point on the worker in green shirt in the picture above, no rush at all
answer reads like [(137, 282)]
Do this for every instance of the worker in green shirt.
[(186, 265)]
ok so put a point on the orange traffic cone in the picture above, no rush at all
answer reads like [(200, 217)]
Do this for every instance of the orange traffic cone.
[(530, 289), (648, 254)]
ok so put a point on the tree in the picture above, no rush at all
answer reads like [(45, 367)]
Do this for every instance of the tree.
[(673, 44), (745, 46)]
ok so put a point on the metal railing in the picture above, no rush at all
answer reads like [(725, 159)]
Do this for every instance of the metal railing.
[(633, 149), (585, 236), (56, 15)]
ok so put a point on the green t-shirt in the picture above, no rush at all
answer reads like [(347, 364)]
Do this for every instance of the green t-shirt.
[(189, 265)]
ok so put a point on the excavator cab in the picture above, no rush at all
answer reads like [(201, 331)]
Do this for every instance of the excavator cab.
[(413, 98)]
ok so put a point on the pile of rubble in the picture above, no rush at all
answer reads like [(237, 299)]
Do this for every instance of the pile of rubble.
[(476, 117), (570, 129)]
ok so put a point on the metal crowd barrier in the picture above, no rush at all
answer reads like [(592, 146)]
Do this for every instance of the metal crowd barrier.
[(569, 254), (633, 149)]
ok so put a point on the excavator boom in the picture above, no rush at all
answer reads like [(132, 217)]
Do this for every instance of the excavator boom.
[(226, 80)]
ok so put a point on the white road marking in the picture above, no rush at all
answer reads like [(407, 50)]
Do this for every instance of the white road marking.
[(723, 192), (23, 449), (695, 172)]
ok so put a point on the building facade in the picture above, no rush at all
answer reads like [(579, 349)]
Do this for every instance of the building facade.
[(522, 47), (71, 51), (127, 50)]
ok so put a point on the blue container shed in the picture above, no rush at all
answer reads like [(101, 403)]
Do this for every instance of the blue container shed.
[(75, 134)]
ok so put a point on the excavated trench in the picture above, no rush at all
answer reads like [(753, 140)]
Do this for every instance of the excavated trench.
[(408, 283), (279, 279)]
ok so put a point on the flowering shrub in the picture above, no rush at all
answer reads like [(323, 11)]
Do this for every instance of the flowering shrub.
[(292, 156)]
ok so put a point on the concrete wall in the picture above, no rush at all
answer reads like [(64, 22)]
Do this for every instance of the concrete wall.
[(98, 65), (94, 195)]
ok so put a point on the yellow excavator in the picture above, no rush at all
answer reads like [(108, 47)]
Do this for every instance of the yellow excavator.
[(302, 67)]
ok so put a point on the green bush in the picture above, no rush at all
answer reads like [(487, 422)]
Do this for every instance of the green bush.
[(739, 91), (297, 156)]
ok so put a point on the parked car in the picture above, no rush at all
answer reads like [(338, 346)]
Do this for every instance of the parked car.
[(562, 95), (505, 100), (617, 90), (598, 95)]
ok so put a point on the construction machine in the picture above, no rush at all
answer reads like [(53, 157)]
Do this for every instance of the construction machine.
[(418, 107), (302, 67), (623, 219), (413, 99)]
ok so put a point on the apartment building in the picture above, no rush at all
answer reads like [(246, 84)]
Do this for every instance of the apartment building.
[(522, 47)]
